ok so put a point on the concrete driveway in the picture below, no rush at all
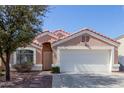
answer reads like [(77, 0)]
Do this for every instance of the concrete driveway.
[(88, 80)]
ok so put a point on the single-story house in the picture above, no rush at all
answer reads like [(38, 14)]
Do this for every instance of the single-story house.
[(83, 51)]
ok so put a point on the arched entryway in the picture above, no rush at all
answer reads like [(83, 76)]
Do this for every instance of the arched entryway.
[(47, 56)]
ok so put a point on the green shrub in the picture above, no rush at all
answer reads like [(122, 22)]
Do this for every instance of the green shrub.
[(23, 67), (56, 69), (121, 67)]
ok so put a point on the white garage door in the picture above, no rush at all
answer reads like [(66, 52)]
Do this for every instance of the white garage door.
[(79, 60)]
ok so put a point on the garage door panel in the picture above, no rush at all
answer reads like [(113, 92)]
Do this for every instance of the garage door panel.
[(84, 60), (85, 68)]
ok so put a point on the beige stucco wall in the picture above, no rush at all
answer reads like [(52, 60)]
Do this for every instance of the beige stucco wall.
[(92, 42), (38, 56), (42, 39), (121, 47), (121, 50)]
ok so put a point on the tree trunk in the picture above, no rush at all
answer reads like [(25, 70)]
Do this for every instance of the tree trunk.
[(7, 72), (7, 67)]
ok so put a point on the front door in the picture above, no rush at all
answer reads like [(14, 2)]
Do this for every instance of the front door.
[(47, 56)]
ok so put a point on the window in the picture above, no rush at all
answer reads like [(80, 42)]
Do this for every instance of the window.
[(85, 38), (24, 56)]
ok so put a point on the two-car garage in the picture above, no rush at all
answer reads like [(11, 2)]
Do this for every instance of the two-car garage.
[(85, 60)]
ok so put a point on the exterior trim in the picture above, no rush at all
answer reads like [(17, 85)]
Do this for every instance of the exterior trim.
[(83, 32), (111, 59), (119, 37), (26, 48), (83, 47), (94, 48), (58, 56)]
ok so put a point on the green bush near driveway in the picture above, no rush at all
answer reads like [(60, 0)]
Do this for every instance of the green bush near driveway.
[(121, 68), (56, 69)]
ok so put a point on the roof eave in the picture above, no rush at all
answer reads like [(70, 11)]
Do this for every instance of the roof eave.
[(113, 42)]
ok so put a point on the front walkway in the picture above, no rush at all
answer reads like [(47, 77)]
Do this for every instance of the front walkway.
[(28, 80)]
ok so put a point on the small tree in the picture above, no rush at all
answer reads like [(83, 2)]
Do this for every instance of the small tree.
[(18, 26)]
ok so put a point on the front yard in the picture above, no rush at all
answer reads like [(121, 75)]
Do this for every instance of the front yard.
[(28, 80)]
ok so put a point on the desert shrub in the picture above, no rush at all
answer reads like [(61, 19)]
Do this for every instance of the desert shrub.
[(23, 67), (56, 69)]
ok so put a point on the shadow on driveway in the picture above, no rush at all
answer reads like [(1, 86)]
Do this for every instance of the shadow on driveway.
[(28, 80), (87, 81)]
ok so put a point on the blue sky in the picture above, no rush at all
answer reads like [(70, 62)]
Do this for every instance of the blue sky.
[(108, 20)]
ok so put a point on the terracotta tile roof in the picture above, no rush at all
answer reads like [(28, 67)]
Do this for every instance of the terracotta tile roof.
[(52, 34), (61, 31), (36, 42), (69, 35), (61, 34), (46, 32)]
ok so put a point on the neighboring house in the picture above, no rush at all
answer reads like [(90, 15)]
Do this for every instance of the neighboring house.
[(121, 49), (83, 51)]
